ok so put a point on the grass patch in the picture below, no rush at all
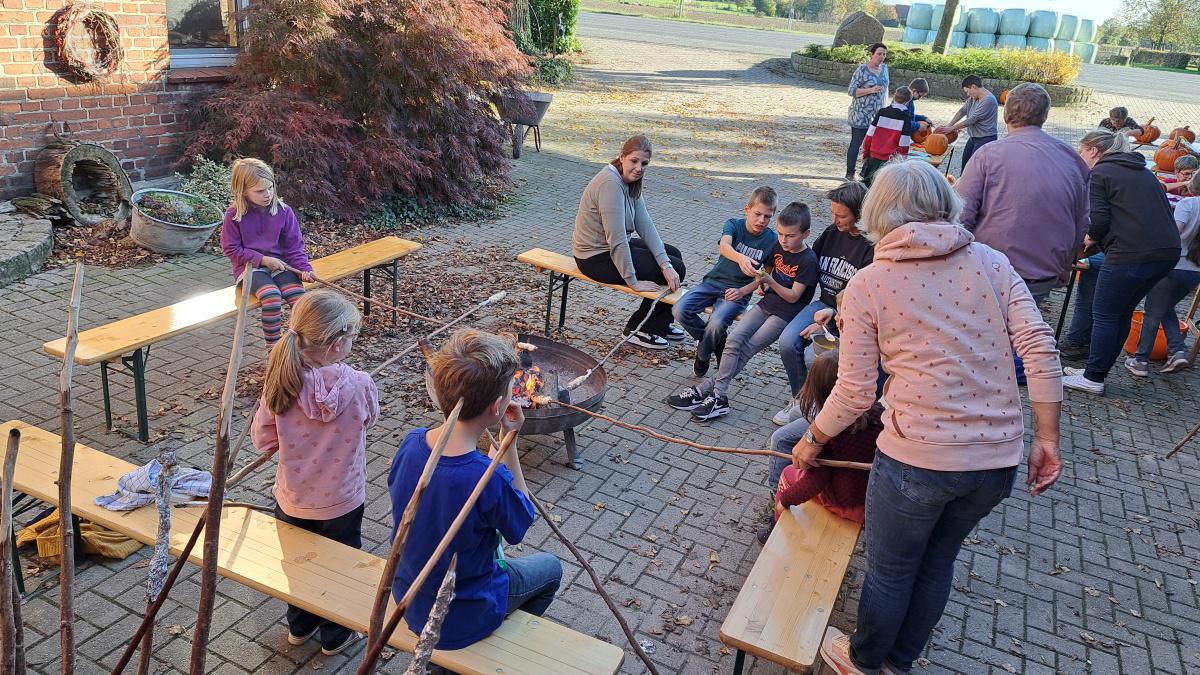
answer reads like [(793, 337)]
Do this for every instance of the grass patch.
[(1166, 69)]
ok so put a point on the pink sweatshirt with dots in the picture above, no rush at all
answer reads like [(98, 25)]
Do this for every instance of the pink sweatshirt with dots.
[(944, 314), (322, 443)]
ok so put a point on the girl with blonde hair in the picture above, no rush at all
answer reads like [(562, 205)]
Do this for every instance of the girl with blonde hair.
[(261, 234), (315, 413)]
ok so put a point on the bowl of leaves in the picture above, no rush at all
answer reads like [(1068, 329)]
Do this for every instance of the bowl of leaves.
[(168, 221)]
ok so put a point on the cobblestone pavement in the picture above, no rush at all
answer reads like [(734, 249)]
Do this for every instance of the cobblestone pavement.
[(1096, 576)]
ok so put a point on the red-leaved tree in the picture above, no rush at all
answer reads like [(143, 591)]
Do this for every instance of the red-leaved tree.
[(365, 99)]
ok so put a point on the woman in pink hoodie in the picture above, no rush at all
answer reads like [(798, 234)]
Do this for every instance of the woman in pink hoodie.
[(944, 314), (315, 413)]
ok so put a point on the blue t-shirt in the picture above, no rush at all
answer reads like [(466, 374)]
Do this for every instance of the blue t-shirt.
[(790, 269), (726, 273), (481, 588)]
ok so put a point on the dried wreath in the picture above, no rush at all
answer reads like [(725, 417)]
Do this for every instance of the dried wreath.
[(102, 56)]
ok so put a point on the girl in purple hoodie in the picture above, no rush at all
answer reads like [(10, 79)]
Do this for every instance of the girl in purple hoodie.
[(262, 233), (315, 413)]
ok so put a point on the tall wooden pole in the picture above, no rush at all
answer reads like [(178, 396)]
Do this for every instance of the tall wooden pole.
[(949, 16), (66, 524), (11, 649), (216, 494)]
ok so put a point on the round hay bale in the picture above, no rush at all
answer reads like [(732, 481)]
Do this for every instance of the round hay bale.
[(958, 39), (1011, 41), (920, 16), (935, 22), (1087, 31), (1068, 28), (983, 20), (964, 18), (1086, 51), (914, 36), (1040, 43), (1064, 46), (981, 40), (87, 178), (1014, 22), (1044, 23)]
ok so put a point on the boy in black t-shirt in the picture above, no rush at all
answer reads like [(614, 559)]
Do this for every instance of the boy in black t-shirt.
[(789, 279)]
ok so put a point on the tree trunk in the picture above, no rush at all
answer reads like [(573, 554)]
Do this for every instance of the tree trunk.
[(942, 41)]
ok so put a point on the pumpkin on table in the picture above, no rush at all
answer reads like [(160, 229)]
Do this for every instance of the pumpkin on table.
[(1003, 97), (1150, 133), (1165, 156), (1185, 133), (937, 144), (920, 135), (951, 136)]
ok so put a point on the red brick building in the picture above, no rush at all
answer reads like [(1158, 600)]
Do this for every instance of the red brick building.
[(172, 48)]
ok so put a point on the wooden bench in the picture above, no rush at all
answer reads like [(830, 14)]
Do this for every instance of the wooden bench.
[(317, 574), (784, 606), (128, 340), (563, 269)]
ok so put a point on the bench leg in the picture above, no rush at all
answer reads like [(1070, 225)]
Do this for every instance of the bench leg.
[(367, 291), (104, 389), (18, 571), (739, 662), (137, 368), (550, 301), (395, 291), (562, 305)]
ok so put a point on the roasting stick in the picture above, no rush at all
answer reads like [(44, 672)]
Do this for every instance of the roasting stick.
[(382, 305), (831, 463), (583, 378), (496, 297), (1179, 446)]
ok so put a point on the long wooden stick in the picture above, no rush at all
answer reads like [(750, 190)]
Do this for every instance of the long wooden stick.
[(432, 632), (1180, 444), (216, 494), (374, 648), (379, 609), (600, 364), (160, 560), (496, 297), (9, 621), (380, 304), (831, 463), (66, 524)]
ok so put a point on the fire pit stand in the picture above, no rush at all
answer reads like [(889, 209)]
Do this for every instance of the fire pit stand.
[(561, 363)]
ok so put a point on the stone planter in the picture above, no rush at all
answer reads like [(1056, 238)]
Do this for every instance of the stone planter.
[(161, 236), (945, 86)]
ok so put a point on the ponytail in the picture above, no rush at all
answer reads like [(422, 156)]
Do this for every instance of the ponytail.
[(319, 319)]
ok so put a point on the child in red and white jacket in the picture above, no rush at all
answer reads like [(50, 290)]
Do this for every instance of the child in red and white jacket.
[(889, 135), (842, 491)]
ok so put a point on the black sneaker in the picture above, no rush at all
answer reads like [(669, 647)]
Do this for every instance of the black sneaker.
[(675, 333), (647, 341), (688, 398), (700, 368), (342, 646), (713, 406)]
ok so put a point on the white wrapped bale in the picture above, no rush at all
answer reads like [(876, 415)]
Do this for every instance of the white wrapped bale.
[(920, 16), (958, 39), (1044, 24), (983, 20), (1014, 22), (1040, 43), (981, 40), (935, 20), (1011, 41), (964, 17), (1064, 46), (1087, 31), (914, 36), (1068, 28), (1086, 51)]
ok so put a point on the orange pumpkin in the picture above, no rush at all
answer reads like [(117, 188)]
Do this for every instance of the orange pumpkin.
[(1168, 152), (1185, 133), (1150, 133), (920, 135), (1003, 97), (951, 137), (936, 144)]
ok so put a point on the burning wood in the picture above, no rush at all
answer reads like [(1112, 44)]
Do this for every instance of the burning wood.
[(528, 386)]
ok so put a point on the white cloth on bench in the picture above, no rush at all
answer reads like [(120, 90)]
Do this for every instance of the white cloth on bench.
[(136, 488)]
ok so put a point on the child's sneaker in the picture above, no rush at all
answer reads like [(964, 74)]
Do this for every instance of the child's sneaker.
[(675, 333), (1080, 383), (338, 649), (712, 406), (700, 368), (790, 412), (1137, 366), (647, 341), (1176, 361), (297, 640), (835, 649), (688, 398)]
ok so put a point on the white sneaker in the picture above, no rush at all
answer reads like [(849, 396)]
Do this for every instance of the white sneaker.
[(1137, 366), (1176, 361), (789, 413), (1081, 383), (648, 341), (835, 650), (1069, 371)]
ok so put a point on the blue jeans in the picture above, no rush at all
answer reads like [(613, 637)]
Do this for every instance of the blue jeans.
[(1079, 334), (755, 332), (1160, 311), (974, 144), (916, 520), (857, 135), (1119, 289), (532, 582), (791, 345), (710, 333), (783, 440)]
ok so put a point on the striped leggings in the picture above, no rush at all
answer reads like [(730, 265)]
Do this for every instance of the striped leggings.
[(272, 290)]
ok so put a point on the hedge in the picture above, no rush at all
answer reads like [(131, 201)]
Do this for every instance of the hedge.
[(1026, 65)]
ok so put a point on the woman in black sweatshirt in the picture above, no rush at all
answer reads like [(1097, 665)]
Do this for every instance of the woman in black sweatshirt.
[(1131, 222)]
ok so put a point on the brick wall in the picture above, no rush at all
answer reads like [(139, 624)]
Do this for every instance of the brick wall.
[(134, 113)]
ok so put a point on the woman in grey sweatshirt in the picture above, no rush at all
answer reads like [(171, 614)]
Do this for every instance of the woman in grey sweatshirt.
[(611, 211)]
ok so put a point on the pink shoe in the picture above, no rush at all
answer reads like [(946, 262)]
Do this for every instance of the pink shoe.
[(835, 649)]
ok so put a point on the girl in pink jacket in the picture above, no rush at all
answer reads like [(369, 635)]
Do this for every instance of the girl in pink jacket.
[(315, 413)]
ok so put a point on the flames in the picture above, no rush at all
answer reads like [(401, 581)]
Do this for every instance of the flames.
[(528, 386)]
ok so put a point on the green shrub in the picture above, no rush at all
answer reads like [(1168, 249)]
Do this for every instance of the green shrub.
[(208, 179), (1026, 65), (544, 24), (553, 70)]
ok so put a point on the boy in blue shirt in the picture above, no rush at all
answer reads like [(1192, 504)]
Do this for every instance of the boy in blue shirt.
[(728, 286), (478, 368)]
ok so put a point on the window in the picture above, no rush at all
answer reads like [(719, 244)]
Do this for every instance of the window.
[(203, 33)]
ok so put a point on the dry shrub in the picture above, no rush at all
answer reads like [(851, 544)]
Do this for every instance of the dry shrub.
[(1030, 65)]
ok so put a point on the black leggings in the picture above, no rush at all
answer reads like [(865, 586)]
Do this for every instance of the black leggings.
[(601, 268)]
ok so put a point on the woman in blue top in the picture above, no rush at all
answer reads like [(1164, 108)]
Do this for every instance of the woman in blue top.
[(869, 87)]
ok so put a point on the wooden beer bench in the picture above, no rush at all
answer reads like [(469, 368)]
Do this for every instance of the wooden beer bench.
[(784, 606), (331, 580), (128, 341), (562, 270)]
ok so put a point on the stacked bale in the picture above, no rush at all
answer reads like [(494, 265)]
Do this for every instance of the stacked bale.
[(1044, 24), (958, 39), (916, 28), (1069, 28), (1040, 43), (1086, 51), (982, 25), (914, 36), (1064, 46), (964, 18), (1014, 24), (1087, 31)]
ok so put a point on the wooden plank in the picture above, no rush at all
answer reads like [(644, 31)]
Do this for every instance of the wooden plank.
[(784, 606), (112, 340), (544, 260), (317, 574)]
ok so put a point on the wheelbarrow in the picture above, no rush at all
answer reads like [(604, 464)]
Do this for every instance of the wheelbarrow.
[(521, 124)]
